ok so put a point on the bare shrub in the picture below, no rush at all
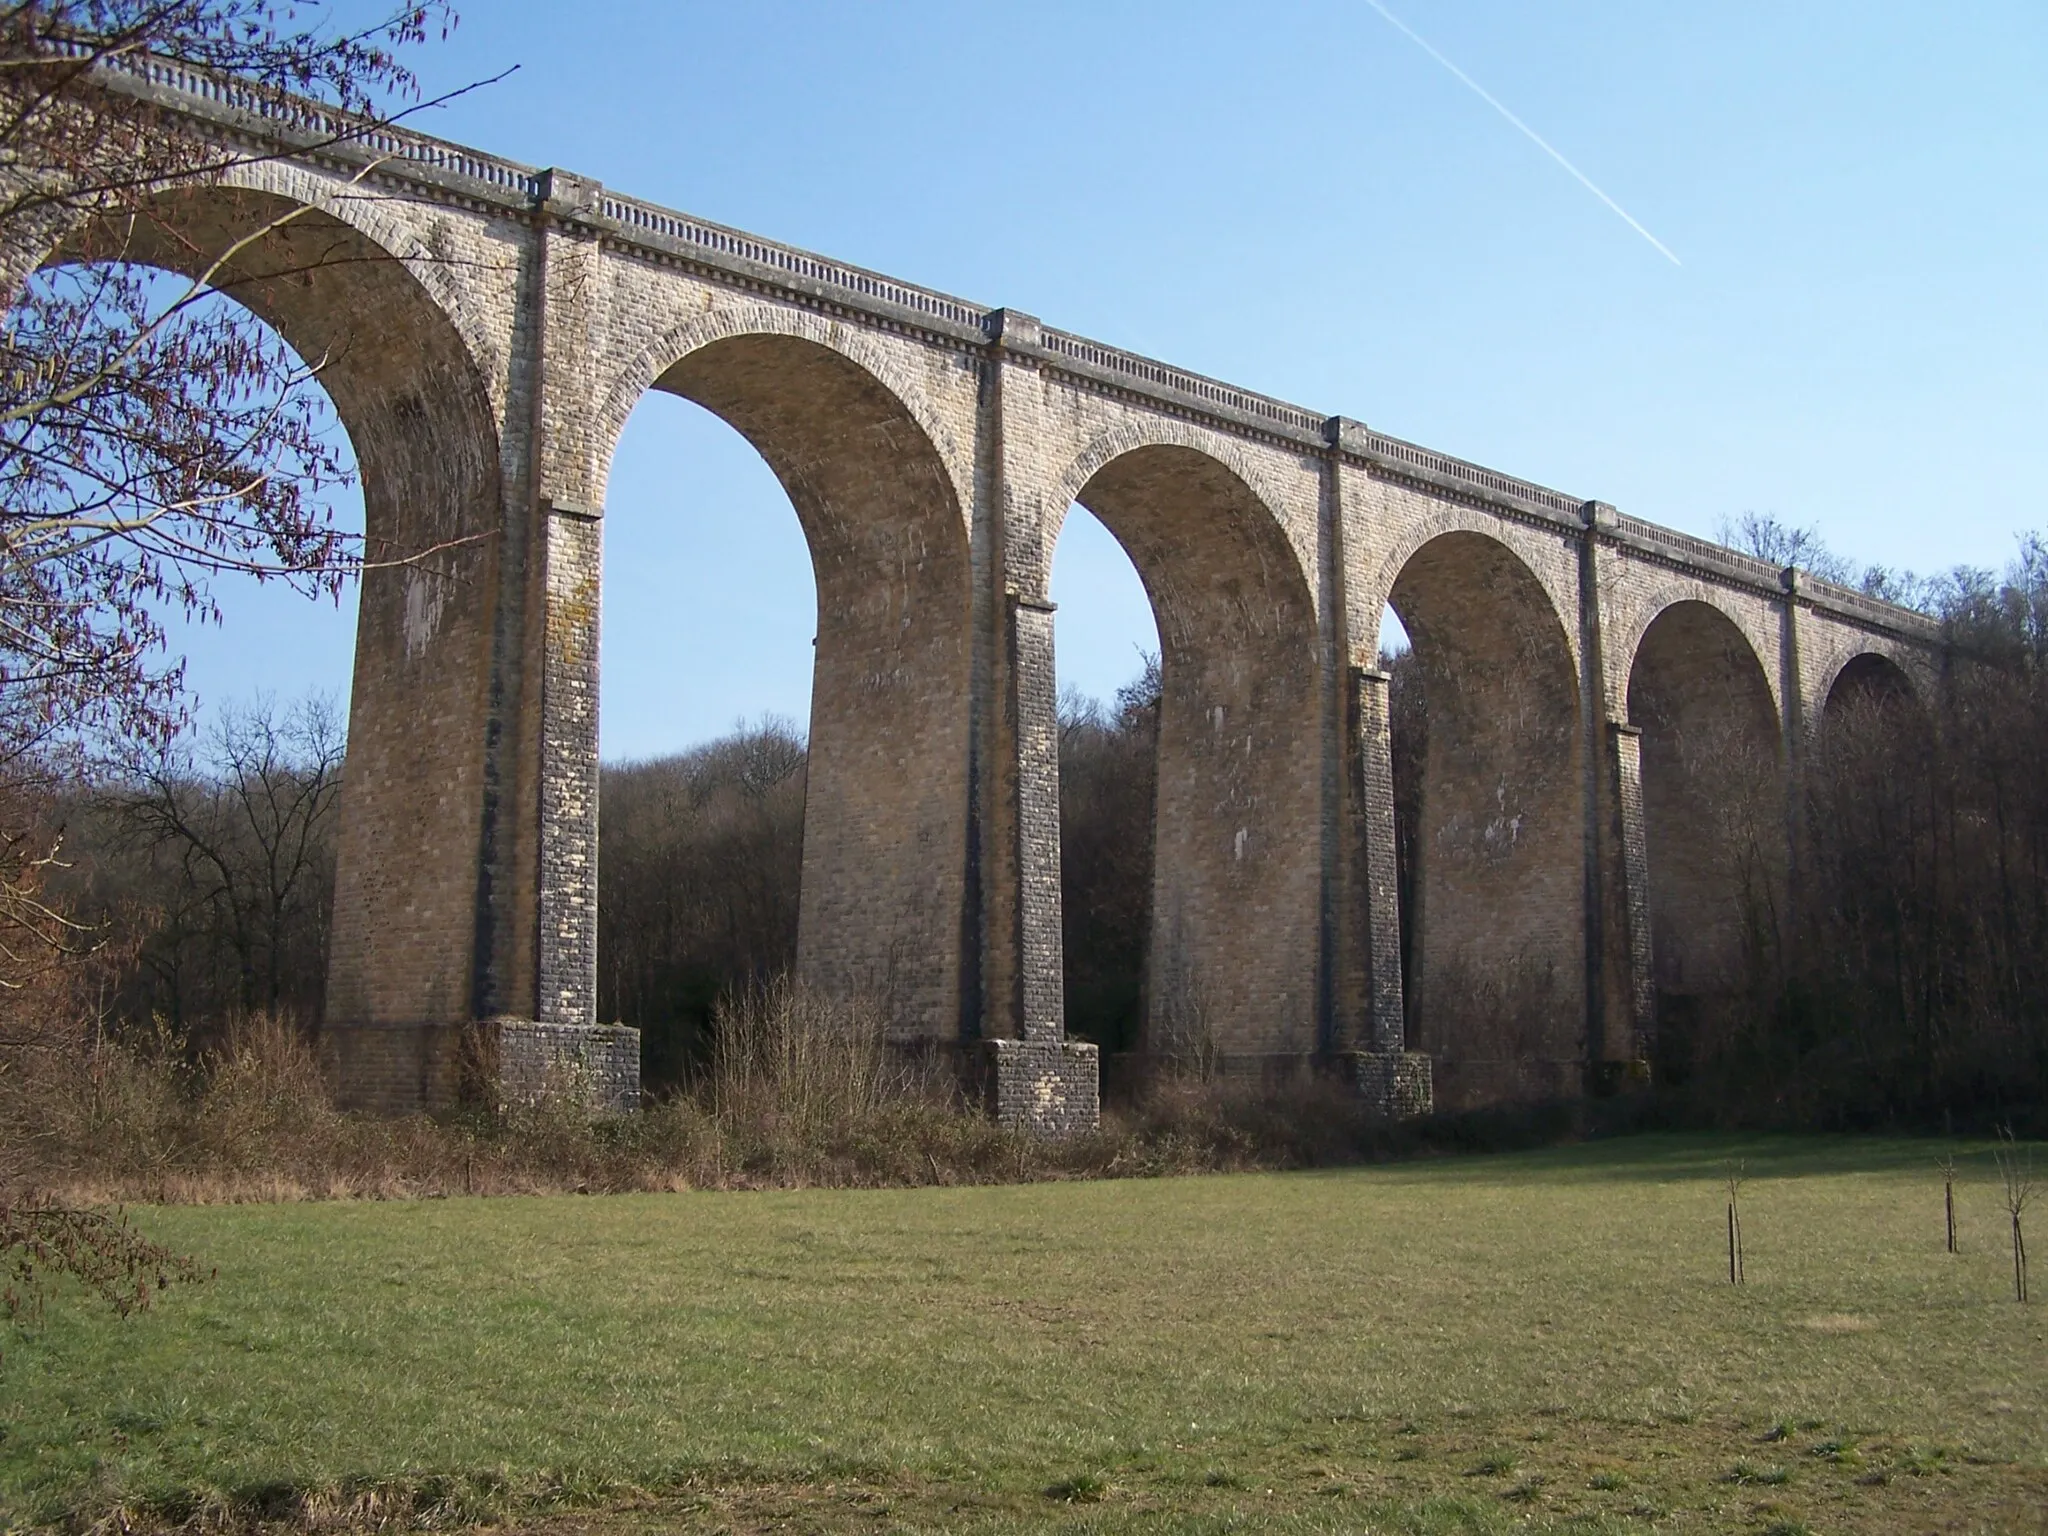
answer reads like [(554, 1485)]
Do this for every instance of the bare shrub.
[(792, 1061), (806, 1095), (1181, 1036), (42, 1237), (2016, 1174), (143, 1111)]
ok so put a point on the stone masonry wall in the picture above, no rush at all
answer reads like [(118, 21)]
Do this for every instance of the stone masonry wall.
[(490, 327), (1048, 1087), (407, 1069), (597, 1064), (864, 434)]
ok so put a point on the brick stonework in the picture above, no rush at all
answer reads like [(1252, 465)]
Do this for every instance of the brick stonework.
[(489, 328), (1398, 1082), (597, 1063), (1625, 745), (1374, 773), (1035, 729), (401, 1069), (1046, 1086), (406, 1068)]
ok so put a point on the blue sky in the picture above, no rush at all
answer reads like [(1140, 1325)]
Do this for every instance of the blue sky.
[(1296, 198)]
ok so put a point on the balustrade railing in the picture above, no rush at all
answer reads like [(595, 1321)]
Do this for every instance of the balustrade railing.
[(1444, 465), (1145, 370), (324, 122), (635, 217), (1685, 547), (649, 218)]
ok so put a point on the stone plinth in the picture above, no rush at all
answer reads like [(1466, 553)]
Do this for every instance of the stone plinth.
[(597, 1062), (1399, 1082), (399, 1069), (1052, 1087)]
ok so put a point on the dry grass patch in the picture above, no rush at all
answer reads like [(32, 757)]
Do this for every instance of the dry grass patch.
[(1469, 1344), (1837, 1322)]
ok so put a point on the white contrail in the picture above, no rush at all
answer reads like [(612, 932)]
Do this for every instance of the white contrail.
[(1534, 137)]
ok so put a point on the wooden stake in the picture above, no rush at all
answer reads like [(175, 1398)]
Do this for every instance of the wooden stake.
[(1735, 1274)]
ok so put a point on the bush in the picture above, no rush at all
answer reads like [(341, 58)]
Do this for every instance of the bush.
[(799, 1092)]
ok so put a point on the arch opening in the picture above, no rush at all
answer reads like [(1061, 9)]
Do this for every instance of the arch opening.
[(252, 630), (1713, 822), (1236, 825), (1107, 654), (1489, 824), (881, 774), (1408, 744), (1873, 796), (406, 391), (1869, 683), (701, 783)]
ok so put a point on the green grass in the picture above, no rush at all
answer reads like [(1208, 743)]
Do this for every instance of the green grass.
[(1530, 1342)]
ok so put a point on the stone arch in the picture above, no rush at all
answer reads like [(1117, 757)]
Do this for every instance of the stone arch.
[(883, 907), (1158, 432), (1625, 640), (1866, 672), (1497, 972), (1237, 816), (1714, 814), (411, 938), (669, 350), (1445, 518), (416, 238)]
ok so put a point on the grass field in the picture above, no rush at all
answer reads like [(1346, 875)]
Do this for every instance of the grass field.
[(1542, 1341)]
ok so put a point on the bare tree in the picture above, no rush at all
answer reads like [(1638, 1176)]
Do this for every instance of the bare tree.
[(41, 1237), (1767, 538), (241, 831), (2016, 1173), (1947, 1168), (1735, 1173), (152, 435)]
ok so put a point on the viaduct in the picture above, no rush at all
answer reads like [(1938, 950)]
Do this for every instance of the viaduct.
[(1605, 697)]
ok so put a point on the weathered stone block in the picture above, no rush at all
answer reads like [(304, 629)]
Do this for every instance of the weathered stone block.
[(1052, 1087), (401, 1069), (597, 1063), (1398, 1082)]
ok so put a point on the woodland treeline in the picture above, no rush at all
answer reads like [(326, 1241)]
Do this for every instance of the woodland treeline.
[(1907, 980)]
